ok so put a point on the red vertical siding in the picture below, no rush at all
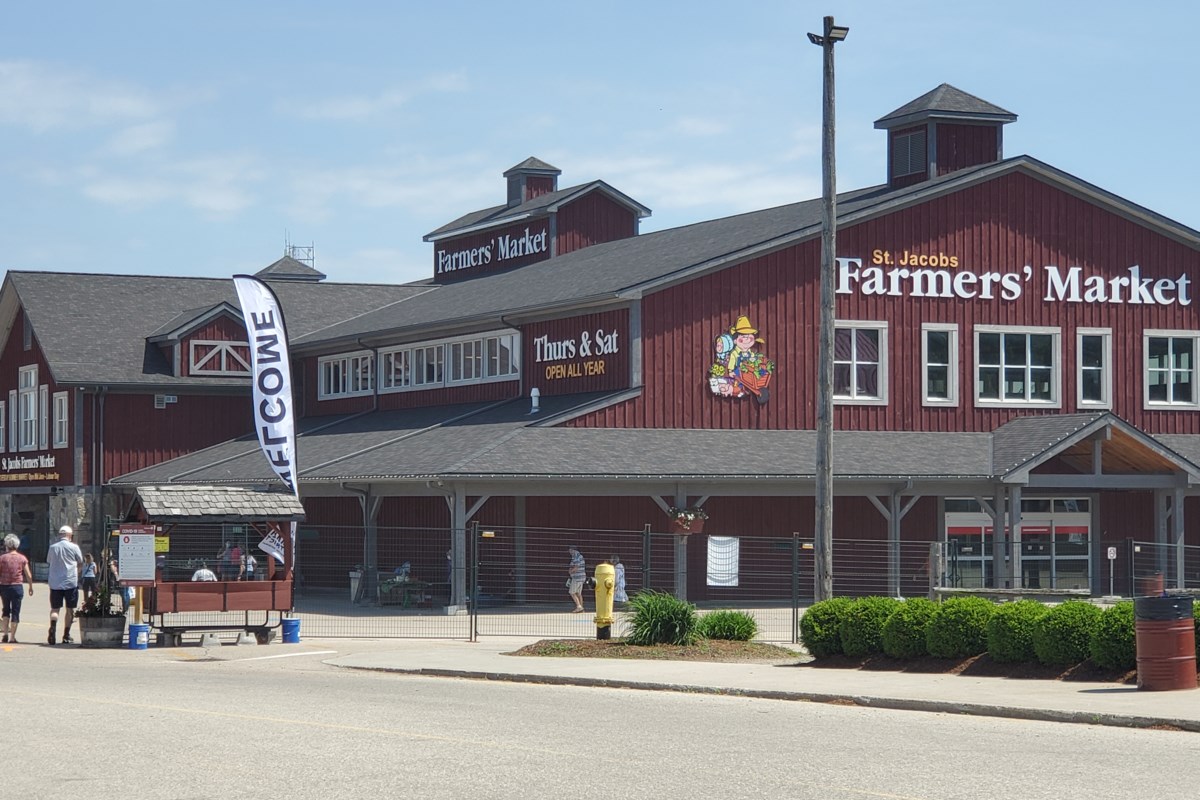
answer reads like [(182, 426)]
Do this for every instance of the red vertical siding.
[(961, 146), (1002, 225), (587, 369), (538, 185), (592, 219), (138, 435), (221, 329)]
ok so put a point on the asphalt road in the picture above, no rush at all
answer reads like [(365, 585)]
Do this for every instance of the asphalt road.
[(231, 723)]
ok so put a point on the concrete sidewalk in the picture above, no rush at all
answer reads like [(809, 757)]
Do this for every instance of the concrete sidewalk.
[(1057, 701)]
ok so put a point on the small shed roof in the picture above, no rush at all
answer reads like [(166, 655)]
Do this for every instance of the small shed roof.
[(214, 504)]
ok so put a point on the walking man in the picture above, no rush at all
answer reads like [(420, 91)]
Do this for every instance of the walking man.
[(65, 561), (576, 575)]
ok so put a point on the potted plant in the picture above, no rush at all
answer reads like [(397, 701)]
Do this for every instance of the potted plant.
[(687, 520), (100, 625)]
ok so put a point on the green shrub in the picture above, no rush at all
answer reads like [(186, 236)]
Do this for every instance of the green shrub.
[(1196, 618), (1061, 636), (1010, 631), (735, 626), (904, 631), (959, 627), (861, 628), (1113, 644), (661, 618), (819, 627)]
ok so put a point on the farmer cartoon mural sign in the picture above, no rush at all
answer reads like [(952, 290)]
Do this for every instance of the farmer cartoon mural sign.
[(741, 369)]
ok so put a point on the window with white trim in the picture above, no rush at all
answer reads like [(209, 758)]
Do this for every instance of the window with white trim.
[(1170, 377), (43, 417), (466, 361), (28, 398), (461, 360), (14, 421), (860, 362), (218, 358), (1017, 367), (939, 364), (503, 360), (347, 375), (1093, 349), (3, 426), (60, 419)]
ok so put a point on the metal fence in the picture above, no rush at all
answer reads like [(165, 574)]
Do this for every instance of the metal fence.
[(402, 582), (1154, 568)]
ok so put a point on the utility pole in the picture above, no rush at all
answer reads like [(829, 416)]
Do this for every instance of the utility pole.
[(823, 545)]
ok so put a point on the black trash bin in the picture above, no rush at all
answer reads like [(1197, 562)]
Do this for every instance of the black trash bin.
[(1166, 643)]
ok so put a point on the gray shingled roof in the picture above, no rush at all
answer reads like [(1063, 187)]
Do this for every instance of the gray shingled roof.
[(945, 101), (1024, 438), (183, 503), (499, 215), (288, 268), (532, 164), (93, 328)]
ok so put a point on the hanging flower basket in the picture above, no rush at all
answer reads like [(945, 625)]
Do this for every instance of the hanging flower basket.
[(687, 520)]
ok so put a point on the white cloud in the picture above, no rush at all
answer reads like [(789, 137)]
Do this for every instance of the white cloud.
[(216, 185), (43, 97), (364, 106), (138, 139), (699, 126)]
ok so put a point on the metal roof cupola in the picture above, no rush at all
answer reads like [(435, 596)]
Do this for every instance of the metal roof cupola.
[(942, 131), (529, 179)]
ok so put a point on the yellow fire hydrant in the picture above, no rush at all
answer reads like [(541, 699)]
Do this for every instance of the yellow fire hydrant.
[(606, 575)]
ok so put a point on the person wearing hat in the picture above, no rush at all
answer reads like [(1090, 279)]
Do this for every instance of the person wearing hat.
[(65, 562), (741, 377)]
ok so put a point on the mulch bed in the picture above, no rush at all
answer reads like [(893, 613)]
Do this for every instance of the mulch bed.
[(757, 652)]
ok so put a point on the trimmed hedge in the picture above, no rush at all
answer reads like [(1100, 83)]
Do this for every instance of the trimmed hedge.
[(959, 627), (1061, 636), (861, 628), (819, 627), (904, 631), (734, 626), (1010, 631), (1113, 644)]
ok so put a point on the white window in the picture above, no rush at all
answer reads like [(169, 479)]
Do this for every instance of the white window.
[(60, 419), (348, 375), (860, 363), (29, 407), (1093, 349), (939, 364), (43, 416), (428, 363), (3, 426), (219, 358), (395, 369), (466, 361), (1170, 378), (1017, 367), (502, 356), (14, 422)]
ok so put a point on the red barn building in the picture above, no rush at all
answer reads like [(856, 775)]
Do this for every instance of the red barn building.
[(101, 375), (1015, 351)]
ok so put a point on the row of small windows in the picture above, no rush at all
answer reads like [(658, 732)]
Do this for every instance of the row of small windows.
[(1014, 367), (425, 366), (31, 419)]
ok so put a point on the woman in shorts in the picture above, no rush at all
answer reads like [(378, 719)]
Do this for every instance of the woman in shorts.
[(13, 568)]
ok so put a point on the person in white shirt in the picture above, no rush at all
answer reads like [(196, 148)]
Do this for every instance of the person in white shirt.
[(204, 573), (65, 561)]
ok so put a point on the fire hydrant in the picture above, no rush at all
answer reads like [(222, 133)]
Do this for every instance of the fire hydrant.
[(606, 576)]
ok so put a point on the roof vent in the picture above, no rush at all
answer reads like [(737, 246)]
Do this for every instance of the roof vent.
[(163, 400)]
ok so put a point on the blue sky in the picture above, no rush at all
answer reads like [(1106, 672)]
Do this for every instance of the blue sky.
[(194, 138)]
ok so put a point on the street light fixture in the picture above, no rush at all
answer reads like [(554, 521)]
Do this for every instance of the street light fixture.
[(823, 537)]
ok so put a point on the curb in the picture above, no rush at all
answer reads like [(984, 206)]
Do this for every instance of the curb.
[(866, 701)]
